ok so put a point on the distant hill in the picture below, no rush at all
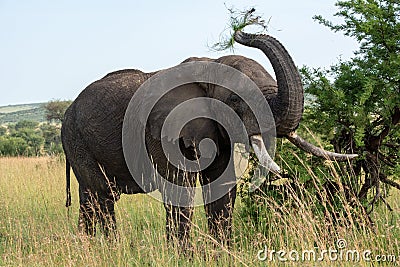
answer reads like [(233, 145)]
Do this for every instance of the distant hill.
[(16, 113)]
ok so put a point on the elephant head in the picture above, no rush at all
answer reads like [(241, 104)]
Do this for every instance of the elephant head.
[(284, 96)]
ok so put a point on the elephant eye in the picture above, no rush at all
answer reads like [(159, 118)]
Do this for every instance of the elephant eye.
[(234, 98)]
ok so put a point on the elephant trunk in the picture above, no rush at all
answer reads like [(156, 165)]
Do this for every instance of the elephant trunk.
[(287, 105)]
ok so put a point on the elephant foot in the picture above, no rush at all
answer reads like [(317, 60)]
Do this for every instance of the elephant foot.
[(183, 248), (87, 223), (178, 226), (108, 226), (101, 212), (106, 217)]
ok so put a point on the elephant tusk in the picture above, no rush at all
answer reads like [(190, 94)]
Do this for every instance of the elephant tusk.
[(317, 151), (262, 154)]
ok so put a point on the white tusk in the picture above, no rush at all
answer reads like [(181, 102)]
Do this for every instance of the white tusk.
[(262, 154), (317, 151)]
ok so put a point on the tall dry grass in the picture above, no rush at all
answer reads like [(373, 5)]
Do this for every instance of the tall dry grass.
[(37, 230)]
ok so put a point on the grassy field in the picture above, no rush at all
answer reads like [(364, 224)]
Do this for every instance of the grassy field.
[(37, 230), (16, 113), (16, 108)]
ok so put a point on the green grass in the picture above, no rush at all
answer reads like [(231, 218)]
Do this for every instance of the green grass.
[(239, 20), (37, 230)]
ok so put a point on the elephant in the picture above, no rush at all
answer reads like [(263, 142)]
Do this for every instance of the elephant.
[(92, 139)]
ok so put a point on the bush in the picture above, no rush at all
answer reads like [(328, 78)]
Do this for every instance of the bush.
[(27, 138), (13, 146)]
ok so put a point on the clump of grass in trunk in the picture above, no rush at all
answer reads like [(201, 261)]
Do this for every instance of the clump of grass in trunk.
[(238, 21)]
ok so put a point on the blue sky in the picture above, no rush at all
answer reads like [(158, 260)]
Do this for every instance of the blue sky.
[(53, 50)]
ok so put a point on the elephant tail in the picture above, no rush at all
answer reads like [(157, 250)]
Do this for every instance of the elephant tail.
[(68, 183)]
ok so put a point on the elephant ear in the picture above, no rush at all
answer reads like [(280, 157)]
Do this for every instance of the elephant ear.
[(191, 131)]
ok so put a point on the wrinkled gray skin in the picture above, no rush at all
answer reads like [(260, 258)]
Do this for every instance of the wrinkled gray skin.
[(92, 137)]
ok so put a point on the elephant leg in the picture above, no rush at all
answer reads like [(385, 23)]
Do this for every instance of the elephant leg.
[(179, 210), (219, 194), (97, 193), (106, 216), (94, 209), (219, 216), (178, 224), (87, 213)]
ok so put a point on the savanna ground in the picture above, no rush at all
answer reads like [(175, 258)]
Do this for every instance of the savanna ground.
[(37, 230)]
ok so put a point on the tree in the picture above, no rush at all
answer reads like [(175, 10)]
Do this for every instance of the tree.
[(27, 138), (55, 110), (12, 146), (3, 130), (33, 139), (360, 99), (25, 124), (52, 137)]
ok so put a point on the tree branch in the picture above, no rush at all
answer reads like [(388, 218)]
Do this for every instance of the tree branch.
[(385, 159), (387, 204), (376, 141), (377, 195), (390, 182)]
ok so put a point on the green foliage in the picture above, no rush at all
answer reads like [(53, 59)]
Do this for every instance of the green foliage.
[(357, 102), (355, 108), (304, 177), (376, 25), (55, 110), (12, 146), (32, 138), (28, 138), (25, 124), (238, 20), (3, 130), (52, 137)]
